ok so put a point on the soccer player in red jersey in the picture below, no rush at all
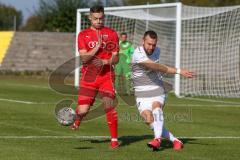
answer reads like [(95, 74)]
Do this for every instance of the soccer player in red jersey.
[(98, 48)]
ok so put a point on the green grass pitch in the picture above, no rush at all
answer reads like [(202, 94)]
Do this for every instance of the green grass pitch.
[(209, 127)]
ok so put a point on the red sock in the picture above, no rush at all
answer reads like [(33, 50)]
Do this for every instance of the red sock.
[(78, 118), (112, 120)]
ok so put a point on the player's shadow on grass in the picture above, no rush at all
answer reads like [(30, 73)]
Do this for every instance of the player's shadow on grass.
[(125, 140), (128, 140), (166, 144), (82, 148)]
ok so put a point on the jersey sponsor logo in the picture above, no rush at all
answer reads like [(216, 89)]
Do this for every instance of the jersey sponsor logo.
[(108, 46), (92, 44)]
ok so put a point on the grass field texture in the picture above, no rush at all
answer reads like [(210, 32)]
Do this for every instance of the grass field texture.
[(209, 127)]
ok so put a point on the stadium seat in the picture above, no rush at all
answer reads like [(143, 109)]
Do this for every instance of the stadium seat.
[(5, 39)]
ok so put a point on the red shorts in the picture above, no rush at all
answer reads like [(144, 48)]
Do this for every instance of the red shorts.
[(102, 85)]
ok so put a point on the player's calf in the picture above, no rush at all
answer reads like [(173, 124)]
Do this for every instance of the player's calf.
[(112, 120), (76, 124), (78, 119)]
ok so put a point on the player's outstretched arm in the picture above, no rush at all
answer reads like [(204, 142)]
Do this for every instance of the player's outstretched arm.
[(186, 73), (166, 69)]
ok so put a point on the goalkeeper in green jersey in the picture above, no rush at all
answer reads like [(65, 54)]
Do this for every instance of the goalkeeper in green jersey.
[(122, 69)]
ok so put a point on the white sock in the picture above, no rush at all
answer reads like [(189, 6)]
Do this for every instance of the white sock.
[(168, 135), (114, 139), (158, 122)]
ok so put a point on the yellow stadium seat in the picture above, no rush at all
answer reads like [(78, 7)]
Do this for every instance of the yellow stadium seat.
[(5, 40)]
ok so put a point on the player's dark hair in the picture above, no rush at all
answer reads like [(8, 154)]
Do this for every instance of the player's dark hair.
[(123, 33), (151, 34), (97, 9)]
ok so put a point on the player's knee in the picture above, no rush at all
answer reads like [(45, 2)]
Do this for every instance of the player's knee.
[(148, 121), (82, 110), (109, 109), (156, 105), (149, 118), (108, 102)]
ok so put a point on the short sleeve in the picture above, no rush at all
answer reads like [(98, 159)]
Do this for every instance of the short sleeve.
[(139, 56), (81, 42)]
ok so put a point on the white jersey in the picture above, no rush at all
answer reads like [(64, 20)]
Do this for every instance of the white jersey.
[(146, 82)]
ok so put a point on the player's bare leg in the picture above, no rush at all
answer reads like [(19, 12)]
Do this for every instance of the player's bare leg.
[(81, 112), (147, 116), (112, 120)]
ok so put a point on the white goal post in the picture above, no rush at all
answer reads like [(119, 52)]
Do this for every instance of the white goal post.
[(202, 39)]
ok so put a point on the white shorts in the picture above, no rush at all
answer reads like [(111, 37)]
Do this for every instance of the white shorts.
[(146, 102)]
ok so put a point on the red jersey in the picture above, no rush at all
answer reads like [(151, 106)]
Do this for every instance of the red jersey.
[(87, 39)]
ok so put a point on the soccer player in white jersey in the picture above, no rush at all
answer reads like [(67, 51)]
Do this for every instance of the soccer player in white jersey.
[(149, 89)]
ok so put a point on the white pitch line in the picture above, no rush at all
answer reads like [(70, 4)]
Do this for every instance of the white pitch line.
[(16, 101), (211, 100), (54, 137), (177, 105), (197, 105), (23, 101), (31, 128), (217, 137), (105, 137), (205, 105), (26, 85)]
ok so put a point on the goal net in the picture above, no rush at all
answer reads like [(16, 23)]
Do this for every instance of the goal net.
[(204, 40), (211, 47)]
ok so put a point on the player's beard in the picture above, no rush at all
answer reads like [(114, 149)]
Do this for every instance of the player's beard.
[(149, 51), (98, 26)]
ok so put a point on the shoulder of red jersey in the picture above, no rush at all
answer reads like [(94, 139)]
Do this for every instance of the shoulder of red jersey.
[(85, 31)]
